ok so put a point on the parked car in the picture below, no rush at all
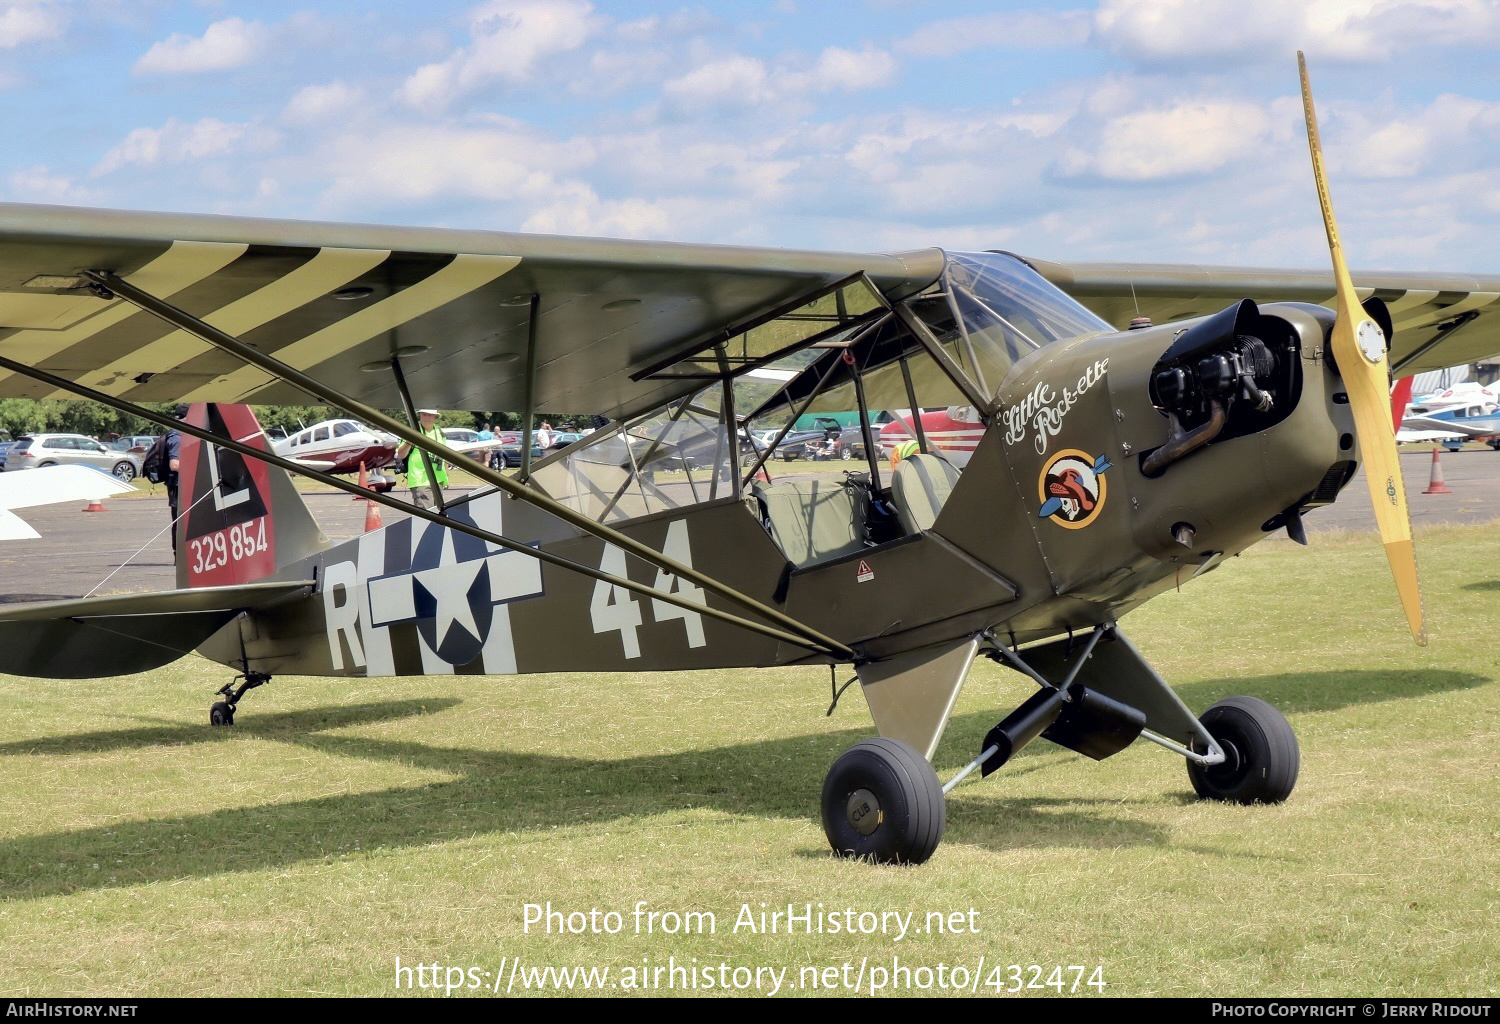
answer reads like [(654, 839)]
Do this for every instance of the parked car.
[(508, 456), (138, 443), (41, 450), (799, 444)]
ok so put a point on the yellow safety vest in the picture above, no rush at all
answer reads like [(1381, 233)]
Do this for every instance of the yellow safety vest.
[(416, 466)]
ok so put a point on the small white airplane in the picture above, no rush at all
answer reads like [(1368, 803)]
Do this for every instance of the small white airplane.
[(953, 431), (1465, 411), (342, 446), (58, 483)]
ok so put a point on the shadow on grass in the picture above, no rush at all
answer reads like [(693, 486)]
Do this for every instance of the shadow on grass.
[(1483, 585), (1299, 692), (494, 791), (289, 726), (516, 792)]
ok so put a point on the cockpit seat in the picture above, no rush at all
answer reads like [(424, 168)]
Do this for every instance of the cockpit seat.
[(921, 486), (813, 520)]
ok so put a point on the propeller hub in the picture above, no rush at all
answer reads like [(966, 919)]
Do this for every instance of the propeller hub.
[(1371, 341)]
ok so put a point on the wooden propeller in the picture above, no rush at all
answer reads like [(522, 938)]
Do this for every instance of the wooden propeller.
[(1359, 349)]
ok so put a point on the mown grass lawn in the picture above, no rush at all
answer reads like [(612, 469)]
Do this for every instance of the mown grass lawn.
[(340, 826)]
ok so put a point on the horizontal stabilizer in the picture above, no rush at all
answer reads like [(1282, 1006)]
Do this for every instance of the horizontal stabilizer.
[(13, 527), (58, 483), (114, 636), (1469, 426)]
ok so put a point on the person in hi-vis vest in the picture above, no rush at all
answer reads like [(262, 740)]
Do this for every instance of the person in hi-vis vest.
[(416, 467)]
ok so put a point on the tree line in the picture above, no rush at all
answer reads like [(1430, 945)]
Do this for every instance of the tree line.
[(20, 416)]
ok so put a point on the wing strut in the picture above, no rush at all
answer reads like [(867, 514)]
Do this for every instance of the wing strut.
[(530, 413), (439, 518), (219, 339)]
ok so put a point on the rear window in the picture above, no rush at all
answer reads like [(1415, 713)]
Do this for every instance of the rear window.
[(22, 444)]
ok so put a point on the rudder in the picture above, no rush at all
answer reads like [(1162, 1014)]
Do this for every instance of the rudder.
[(240, 519)]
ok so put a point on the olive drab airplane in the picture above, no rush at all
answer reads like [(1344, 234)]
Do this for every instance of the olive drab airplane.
[(1109, 466)]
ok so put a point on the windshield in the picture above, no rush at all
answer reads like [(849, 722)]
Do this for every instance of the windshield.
[(996, 309)]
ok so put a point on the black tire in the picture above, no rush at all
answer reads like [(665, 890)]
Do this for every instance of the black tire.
[(847, 454), (221, 713), (44, 465), (1261, 750), (124, 471), (888, 779)]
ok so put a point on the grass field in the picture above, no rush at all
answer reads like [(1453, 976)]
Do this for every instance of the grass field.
[(340, 826)]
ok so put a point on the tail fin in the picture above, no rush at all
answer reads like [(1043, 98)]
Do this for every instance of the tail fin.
[(240, 519), (1400, 400)]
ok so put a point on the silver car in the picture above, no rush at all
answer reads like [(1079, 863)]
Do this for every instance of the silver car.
[(40, 450)]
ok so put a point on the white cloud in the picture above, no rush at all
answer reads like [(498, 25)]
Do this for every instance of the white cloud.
[(1451, 130), (503, 162), (42, 184), (509, 39), (739, 81), (579, 211), (224, 45), (25, 21), (1002, 30), (315, 103), (1190, 138), (841, 70), (173, 142), (1199, 31)]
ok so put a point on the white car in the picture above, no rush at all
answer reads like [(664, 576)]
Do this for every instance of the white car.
[(39, 451)]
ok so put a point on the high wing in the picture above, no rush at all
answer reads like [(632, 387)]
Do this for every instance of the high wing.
[(338, 301), (1440, 320), (58, 483)]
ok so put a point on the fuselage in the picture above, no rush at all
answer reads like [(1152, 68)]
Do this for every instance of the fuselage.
[(1057, 522)]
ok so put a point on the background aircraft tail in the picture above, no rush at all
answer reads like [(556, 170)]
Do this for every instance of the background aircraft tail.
[(240, 519)]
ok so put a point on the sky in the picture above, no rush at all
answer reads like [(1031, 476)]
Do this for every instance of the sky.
[(1137, 130)]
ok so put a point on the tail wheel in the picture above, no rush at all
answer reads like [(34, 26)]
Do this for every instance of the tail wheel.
[(883, 802), (1261, 754)]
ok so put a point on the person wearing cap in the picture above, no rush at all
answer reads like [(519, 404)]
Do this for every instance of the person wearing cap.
[(422, 494), (174, 447)]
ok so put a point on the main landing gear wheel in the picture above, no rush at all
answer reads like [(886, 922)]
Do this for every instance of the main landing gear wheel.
[(883, 802), (1260, 750), (222, 713)]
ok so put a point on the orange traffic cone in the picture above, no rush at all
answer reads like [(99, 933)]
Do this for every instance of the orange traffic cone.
[(364, 483), (1435, 484), (96, 505), (372, 516)]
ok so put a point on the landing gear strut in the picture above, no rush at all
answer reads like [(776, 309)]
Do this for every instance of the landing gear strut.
[(222, 711)]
